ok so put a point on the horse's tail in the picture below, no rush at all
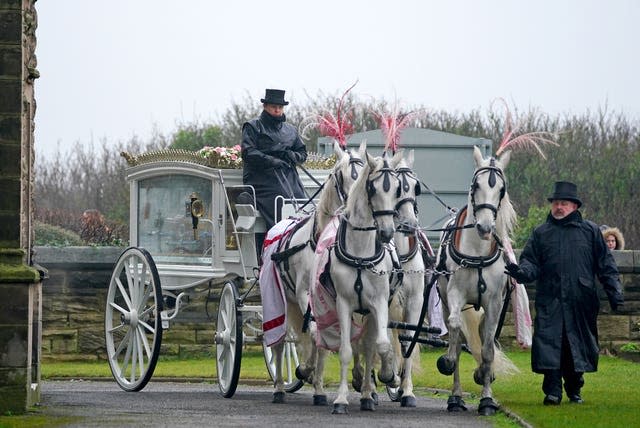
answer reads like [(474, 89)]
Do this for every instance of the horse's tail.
[(471, 320), (396, 312)]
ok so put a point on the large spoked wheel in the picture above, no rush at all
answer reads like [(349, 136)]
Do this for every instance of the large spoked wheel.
[(228, 341), (133, 326), (291, 382)]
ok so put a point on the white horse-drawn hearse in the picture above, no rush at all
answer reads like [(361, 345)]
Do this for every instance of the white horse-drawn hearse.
[(186, 231)]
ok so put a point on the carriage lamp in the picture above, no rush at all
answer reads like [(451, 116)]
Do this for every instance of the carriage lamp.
[(195, 208)]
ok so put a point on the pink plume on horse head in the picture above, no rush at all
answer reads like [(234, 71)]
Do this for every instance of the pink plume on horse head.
[(391, 125), (337, 126), (513, 139)]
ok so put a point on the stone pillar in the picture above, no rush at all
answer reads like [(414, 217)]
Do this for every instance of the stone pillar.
[(20, 284)]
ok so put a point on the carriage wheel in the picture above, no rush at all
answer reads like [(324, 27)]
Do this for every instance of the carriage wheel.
[(228, 341), (291, 382), (133, 325)]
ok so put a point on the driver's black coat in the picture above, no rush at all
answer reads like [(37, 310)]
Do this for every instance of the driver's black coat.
[(265, 142)]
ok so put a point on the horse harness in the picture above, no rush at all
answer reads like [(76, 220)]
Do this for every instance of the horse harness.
[(285, 251), (360, 264), (451, 238), (493, 171), (339, 179)]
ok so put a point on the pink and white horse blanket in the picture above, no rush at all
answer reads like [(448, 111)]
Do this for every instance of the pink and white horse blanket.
[(274, 303), (322, 295)]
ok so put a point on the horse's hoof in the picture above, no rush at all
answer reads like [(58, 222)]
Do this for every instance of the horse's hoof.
[(393, 381), (487, 407), (478, 378), (319, 400), (408, 401), (374, 397), (367, 404), (340, 409), (300, 375), (446, 366), (278, 397), (455, 403)]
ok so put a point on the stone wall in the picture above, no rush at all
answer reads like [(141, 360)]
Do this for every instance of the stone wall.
[(74, 300), (74, 303)]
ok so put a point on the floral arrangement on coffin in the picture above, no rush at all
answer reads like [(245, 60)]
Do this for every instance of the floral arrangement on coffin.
[(222, 157)]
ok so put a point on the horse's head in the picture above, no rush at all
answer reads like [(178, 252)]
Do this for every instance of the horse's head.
[(347, 168), (488, 189), (407, 205), (383, 192)]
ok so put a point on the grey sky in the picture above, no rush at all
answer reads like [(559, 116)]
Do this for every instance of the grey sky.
[(118, 68)]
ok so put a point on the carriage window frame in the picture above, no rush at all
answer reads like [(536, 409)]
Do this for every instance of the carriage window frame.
[(170, 224)]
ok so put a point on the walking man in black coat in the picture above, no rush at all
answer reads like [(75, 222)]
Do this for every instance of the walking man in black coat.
[(564, 255), (270, 150)]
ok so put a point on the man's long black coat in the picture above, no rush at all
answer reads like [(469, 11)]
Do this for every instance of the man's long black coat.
[(565, 256), (264, 140)]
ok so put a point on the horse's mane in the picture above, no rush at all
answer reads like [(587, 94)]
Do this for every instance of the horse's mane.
[(329, 200), (507, 218)]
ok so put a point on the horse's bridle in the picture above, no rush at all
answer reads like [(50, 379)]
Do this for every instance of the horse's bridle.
[(339, 180), (493, 170), (386, 173), (404, 174)]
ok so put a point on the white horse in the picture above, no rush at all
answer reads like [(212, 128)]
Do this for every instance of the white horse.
[(407, 300), (295, 262), (474, 287), (360, 268)]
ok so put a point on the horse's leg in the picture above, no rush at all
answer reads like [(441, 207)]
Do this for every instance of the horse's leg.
[(367, 345), (304, 348), (357, 372), (483, 375), (278, 394), (344, 316), (379, 312), (455, 403), (449, 363), (319, 396), (413, 306), (301, 275)]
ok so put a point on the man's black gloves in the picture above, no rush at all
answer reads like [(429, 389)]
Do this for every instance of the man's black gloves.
[(279, 163), (515, 272), (292, 157)]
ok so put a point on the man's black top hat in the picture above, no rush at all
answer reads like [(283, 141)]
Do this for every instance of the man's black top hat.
[(566, 191), (274, 96)]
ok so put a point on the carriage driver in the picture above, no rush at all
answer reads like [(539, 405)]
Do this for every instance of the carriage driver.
[(270, 150), (564, 255)]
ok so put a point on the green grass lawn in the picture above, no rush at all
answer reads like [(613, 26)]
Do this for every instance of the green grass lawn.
[(609, 394)]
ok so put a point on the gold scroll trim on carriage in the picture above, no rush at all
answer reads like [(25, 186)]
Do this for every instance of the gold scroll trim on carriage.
[(314, 160), (166, 155)]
